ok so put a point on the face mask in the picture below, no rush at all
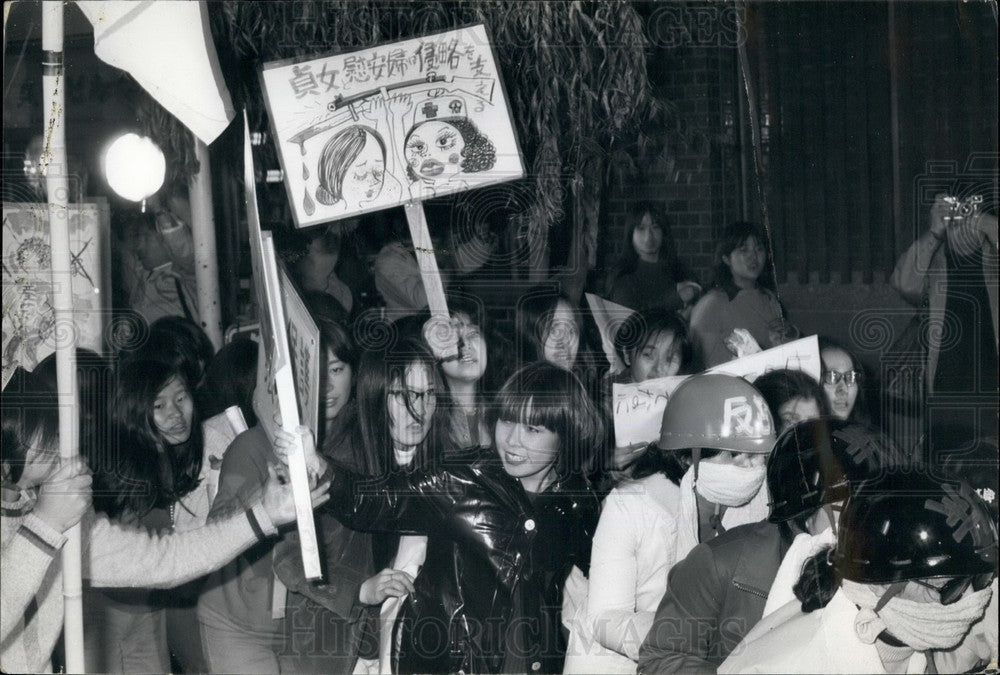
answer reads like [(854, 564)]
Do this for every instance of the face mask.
[(729, 484), (920, 625)]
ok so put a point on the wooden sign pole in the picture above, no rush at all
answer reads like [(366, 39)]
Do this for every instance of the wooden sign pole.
[(442, 344)]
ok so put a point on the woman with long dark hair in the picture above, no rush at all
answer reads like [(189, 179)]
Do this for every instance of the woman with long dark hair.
[(399, 423), (648, 274), (844, 382), (236, 611), (504, 526), (151, 474), (743, 295), (475, 372), (42, 497)]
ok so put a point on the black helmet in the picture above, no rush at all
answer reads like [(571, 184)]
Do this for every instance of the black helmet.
[(910, 526), (814, 462)]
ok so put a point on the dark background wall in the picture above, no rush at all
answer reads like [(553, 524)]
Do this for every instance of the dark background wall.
[(865, 110)]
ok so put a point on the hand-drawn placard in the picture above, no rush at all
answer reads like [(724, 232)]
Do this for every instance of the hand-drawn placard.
[(303, 347), (609, 316), (391, 124), (275, 380), (28, 319), (638, 407)]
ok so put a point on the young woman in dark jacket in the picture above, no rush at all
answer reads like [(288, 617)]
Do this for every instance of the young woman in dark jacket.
[(504, 524)]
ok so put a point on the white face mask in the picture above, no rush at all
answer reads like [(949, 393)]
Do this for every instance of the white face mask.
[(729, 484), (920, 625)]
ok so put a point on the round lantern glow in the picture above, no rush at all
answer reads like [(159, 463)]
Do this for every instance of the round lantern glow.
[(134, 166)]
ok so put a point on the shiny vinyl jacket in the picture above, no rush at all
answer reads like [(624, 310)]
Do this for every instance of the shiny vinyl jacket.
[(490, 589)]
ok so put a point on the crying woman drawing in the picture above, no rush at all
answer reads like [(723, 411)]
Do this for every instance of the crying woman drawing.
[(352, 170)]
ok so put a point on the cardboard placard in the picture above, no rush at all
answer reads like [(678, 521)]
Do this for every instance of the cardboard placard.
[(275, 379), (304, 352), (609, 316), (638, 407), (29, 327), (391, 124)]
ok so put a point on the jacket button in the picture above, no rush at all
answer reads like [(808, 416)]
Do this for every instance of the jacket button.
[(537, 665), (529, 525)]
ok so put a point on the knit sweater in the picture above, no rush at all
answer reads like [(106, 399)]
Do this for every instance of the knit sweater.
[(31, 599), (716, 316)]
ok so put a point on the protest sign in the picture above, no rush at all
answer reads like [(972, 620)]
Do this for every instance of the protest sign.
[(304, 350), (609, 316), (638, 408), (275, 379), (390, 124), (29, 325)]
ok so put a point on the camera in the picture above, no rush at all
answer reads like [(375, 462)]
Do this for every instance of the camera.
[(962, 208)]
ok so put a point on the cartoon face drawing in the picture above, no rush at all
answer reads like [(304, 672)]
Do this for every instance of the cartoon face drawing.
[(351, 166), (438, 150)]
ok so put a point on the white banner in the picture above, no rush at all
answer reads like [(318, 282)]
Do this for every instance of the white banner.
[(609, 316), (638, 407)]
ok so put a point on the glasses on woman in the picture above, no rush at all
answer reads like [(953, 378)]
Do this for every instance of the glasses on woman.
[(412, 396), (953, 589), (851, 377)]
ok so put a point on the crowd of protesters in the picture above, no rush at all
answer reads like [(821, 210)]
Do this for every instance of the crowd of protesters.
[(473, 511)]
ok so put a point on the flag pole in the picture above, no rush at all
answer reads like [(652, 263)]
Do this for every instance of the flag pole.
[(206, 259), (55, 168)]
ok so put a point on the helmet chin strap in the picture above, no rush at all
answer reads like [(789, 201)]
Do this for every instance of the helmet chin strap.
[(828, 510), (890, 593), (716, 518)]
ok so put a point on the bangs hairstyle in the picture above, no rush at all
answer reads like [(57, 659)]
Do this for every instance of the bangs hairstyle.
[(778, 387), (671, 463), (533, 320), (642, 328), (30, 419), (379, 371), (541, 394), (733, 237), (127, 477)]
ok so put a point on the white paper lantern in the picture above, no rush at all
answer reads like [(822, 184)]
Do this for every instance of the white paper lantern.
[(134, 166)]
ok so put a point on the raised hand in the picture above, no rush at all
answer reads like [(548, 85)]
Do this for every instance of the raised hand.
[(65, 495), (286, 441), (626, 455), (278, 501)]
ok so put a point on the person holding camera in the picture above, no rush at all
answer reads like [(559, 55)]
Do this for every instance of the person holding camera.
[(952, 270)]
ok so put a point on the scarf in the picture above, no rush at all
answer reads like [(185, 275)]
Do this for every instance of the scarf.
[(920, 625), (726, 485)]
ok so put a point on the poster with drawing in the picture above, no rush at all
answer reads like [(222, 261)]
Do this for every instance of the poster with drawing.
[(391, 124), (29, 326), (303, 348), (638, 407)]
